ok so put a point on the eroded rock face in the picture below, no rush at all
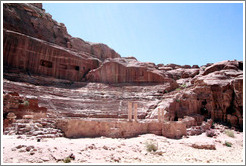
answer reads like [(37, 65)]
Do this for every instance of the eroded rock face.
[(127, 70), (216, 93), (182, 73), (18, 107), (80, 99), (21, 106), (30, 19), (40, 57), (174, 130)]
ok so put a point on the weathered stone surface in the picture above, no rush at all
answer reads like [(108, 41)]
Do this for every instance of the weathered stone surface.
[(215, 95), (38, 5), (21, 106), (204, 145), (123, 70), (224, 65), (32, 127), (75, 128), (39, 57), (30, 19), (182, 73), (94, 100), (195, 129), (174, 129)]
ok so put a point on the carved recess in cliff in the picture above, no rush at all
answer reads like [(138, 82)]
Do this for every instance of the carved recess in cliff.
[(37, 56)]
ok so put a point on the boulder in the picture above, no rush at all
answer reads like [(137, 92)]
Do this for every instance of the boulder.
[(182, 73), (204, 145), (224, 65)]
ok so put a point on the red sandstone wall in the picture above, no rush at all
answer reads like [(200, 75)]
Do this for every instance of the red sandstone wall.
[(40, 57), (114, 71)]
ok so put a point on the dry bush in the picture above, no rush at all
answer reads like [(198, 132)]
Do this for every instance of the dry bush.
[(151, 146), (229, 133)]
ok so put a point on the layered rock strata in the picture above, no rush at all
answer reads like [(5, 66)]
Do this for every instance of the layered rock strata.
[(215, 93), (125, 70), (40, 57), (32, 20)]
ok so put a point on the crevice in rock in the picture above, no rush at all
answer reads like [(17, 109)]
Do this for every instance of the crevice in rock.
[(231, 108), (84, 76)]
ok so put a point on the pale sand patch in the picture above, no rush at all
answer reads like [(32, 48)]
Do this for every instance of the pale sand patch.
[(130, 150)]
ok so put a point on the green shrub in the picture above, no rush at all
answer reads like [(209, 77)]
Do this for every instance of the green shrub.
[(183, 85), (67, 160), (151, 146), (178, 89), (177, 100), (229, 133), (25, 103), (228, 144)]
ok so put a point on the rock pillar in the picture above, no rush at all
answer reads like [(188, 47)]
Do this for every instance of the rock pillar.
[(159, 114), (130, 111), (135, 111), (162, 115)]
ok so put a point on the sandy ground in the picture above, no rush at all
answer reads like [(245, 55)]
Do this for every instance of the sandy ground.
[(22, 149)]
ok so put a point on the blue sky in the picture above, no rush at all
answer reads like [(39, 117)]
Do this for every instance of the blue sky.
[(180, 33)]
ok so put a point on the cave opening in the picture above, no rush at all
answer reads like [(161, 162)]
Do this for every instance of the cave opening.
[(176, 118), (5, 114), (231, 109), (76, 68)]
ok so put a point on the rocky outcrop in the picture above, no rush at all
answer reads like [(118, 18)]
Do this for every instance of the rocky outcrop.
[(216, 93), (21, 106), (32, 20), (128, 70), (37, 128), (182, 73), (24, 116)]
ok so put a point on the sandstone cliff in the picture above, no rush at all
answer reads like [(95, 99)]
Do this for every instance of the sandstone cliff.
[(32, 20), (40, 57), (215, 93)]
